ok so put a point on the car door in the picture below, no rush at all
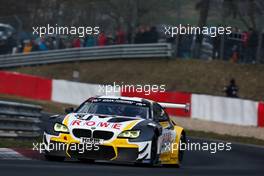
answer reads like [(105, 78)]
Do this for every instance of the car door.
[(168, 135)]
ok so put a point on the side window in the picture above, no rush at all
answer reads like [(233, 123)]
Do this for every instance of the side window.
[(164, 115), (159, 114), (156, 111)]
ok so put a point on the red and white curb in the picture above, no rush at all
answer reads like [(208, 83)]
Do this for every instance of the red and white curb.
[(204, 107), (18, 154)]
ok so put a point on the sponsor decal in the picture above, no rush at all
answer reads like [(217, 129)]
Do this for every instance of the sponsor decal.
[(166, 142), (96, 124), (108, 100), (167, 137)]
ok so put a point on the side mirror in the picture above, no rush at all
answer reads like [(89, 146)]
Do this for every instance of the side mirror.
[(163, 116), (69, 110)]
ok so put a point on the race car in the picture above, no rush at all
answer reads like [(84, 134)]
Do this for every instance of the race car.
[(127, 129)]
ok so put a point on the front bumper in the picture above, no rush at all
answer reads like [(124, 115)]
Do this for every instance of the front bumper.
[(107, 153), (116, 150)]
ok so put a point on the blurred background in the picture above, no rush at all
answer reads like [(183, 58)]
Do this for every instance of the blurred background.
[(135, 21)]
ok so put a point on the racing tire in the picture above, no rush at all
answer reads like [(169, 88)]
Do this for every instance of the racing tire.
[(54, 158), (181, 152), (153, 153)]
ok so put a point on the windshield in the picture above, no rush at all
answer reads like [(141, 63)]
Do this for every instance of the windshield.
[(117, 109)]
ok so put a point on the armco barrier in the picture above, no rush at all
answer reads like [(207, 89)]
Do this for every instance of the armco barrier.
[(87, 53), (19, 120)]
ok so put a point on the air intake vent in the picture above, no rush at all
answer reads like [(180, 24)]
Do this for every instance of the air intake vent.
[(116, 120), (106, 135)]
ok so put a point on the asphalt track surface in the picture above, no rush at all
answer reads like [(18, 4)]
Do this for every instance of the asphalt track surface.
[(241, 160)]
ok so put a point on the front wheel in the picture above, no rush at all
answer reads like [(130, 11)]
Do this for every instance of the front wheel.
[(181, 152), (154, 158), (153, 154)]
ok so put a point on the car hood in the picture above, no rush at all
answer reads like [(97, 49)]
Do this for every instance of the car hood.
[(115, 124)]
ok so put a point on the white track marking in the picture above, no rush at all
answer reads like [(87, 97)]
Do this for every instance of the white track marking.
[(10, 154)]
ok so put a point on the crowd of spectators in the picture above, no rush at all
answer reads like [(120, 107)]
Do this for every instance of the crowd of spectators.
[(142, 35), (239, 46)]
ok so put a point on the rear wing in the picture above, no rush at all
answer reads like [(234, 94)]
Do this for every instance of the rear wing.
[(186, 106)]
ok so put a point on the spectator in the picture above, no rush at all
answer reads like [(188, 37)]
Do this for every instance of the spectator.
[(232, 89), (90, 41), (20, 46), (49, 43), (153, 35), (139, 38), (102, 40), (245, 36), (68, 43), (146, 36), (42, 45), (34, 45), (184, 45), (216, 46), (55, 42), (129, 37), (27, 47), (76, 43), (62, 43), (120, 37), (235, 54), (110, 40)]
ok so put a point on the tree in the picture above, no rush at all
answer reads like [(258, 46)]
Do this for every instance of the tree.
[(251, 14), (203, 7), (247, 11)]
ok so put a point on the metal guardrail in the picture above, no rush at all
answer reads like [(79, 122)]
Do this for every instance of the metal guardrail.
[(19, 120), (87, 53)]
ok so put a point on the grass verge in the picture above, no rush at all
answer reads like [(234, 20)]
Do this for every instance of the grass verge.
[(18, 143), (47, 106)]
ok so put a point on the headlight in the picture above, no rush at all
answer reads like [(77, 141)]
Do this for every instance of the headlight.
[(61, 128), (129, 134)]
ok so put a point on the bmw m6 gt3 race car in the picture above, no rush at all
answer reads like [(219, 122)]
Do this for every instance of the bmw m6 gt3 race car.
[(117, 129)]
